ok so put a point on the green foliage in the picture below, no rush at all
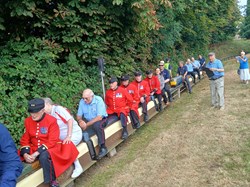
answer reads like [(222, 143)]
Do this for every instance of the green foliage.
[(50, 48), (245, 27)]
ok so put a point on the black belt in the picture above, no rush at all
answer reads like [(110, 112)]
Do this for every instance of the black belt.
[(213, 79)]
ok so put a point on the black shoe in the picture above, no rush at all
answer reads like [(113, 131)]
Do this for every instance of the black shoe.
[(137, 125), (124, 134), (160, 108), (54, 184), (156, 108), (103, 151), (145, 118)]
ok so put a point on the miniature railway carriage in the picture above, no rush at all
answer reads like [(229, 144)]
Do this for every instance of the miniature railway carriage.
[(33, 176)]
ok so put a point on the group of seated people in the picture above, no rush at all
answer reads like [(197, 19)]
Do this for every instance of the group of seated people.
[(52, 134)]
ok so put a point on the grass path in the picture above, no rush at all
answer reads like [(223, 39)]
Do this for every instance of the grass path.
[(189, 144)]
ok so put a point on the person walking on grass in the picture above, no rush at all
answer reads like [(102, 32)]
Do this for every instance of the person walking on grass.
[(244, 68), (216, 81)]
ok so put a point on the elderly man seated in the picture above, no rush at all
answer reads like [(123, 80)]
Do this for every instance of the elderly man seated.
[(190, 69), (118, 102), (41, 141), (196, 66), (92, 118)]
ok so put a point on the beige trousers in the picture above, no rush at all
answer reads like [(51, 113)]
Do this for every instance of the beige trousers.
[(217, 92)]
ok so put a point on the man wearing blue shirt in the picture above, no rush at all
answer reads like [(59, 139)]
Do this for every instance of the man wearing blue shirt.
[(182, 70), (216, 81), (91, 116), (196, 66), (10, 163), (190, 69)]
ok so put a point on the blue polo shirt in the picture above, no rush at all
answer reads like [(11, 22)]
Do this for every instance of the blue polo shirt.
[(92, 110), (182, 71), (196, 64), (243, 63), (165, 73), (218, 65), (189, 67), (202, 60)]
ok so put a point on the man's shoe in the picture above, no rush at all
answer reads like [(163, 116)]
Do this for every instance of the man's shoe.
[(137, 125), (160, 108), (145, 118), (76, 173), (124, 134), (54, 184), (214, 106), (222, 108), (156, 108), (102, 153)]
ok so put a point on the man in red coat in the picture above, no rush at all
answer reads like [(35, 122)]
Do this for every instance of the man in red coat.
[(41, 141), (155, 90), (143, 93), (118, 103), (133, 112)]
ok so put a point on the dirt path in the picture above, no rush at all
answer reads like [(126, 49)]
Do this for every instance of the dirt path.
[(186, 145)]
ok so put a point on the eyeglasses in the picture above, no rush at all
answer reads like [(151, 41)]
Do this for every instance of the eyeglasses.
[(160, 65), (86, 98)]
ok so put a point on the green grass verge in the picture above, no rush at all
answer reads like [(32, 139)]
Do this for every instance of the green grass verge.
[(231, 48)]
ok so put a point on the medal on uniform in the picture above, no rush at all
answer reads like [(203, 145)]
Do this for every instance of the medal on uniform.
[(44, 130)]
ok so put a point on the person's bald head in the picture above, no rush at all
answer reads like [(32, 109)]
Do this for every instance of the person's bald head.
[(87, 95)]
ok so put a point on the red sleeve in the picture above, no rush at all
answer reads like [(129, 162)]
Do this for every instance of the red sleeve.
[(106, 99), (136, 95), (25, 139), (129, 98), (147, 89)]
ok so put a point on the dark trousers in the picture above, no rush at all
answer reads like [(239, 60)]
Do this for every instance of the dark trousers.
[(144, 107), (192, 74), (159, 98), (187, 84), (134, 117), (167, 89), (123, 119), (8, 178), (198, 72), (48, 168), (163, 93), (98, 129)]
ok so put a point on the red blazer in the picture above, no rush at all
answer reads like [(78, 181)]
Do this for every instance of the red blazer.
[(143, 89), (44, 135), (154, 84), (118, 101), (132, 90)]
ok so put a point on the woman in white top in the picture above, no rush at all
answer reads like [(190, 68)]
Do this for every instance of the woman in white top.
[(69, 129)]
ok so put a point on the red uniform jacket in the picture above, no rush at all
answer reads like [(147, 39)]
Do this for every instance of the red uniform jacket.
[(132, 90), (44, 135), (143, 89), (118, 101), (154, 84)]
